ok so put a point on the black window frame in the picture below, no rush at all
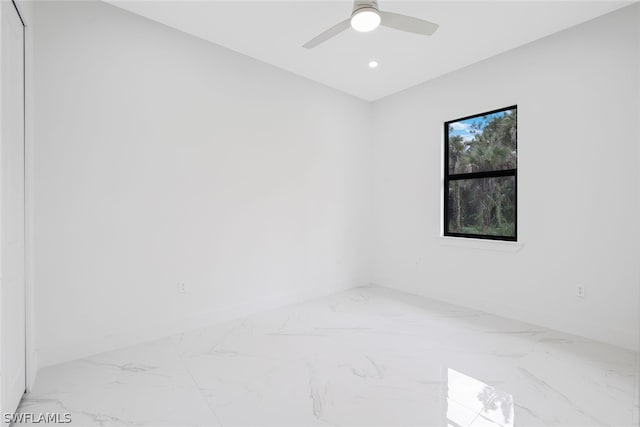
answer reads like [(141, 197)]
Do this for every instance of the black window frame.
[(449, 177)]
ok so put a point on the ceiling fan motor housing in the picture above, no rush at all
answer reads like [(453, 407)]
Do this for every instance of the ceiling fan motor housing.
[(362, 5)]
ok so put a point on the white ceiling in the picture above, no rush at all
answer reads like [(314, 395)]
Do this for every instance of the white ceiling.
[(274, 32)]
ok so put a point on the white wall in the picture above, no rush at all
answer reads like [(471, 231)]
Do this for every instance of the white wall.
[(578, 184), (162, 158)]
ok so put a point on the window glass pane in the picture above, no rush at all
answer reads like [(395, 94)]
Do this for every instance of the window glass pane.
[(482, 206), (483, 143)]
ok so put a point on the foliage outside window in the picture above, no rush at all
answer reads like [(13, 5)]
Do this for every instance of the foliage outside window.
[(480, 177)]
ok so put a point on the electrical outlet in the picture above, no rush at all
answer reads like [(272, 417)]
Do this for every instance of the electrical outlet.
[(182, 288), (581, 291)]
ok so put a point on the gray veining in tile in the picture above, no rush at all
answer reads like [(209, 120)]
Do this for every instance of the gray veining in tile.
[(365, 357)]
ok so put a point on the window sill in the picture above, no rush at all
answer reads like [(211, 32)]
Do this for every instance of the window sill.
[(482, 244)]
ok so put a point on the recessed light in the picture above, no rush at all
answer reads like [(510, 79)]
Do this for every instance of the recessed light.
[(373, 64)]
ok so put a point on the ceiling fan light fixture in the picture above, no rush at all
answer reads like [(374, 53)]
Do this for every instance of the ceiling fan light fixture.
[(366, 17), (365, 20)]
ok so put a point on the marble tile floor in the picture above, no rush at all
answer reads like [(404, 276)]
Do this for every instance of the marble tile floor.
[(365, 357)]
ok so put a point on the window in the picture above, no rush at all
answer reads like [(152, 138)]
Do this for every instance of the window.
[(480, 175)]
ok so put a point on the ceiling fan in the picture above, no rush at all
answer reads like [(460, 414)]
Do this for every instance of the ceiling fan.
[(367, 17)]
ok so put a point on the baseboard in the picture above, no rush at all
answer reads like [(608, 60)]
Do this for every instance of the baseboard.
[(32, 369), (617, 337), (72, 351), (77, 350)]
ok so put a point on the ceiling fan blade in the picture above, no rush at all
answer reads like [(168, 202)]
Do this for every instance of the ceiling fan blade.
[(331, 32), (407, 23)]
